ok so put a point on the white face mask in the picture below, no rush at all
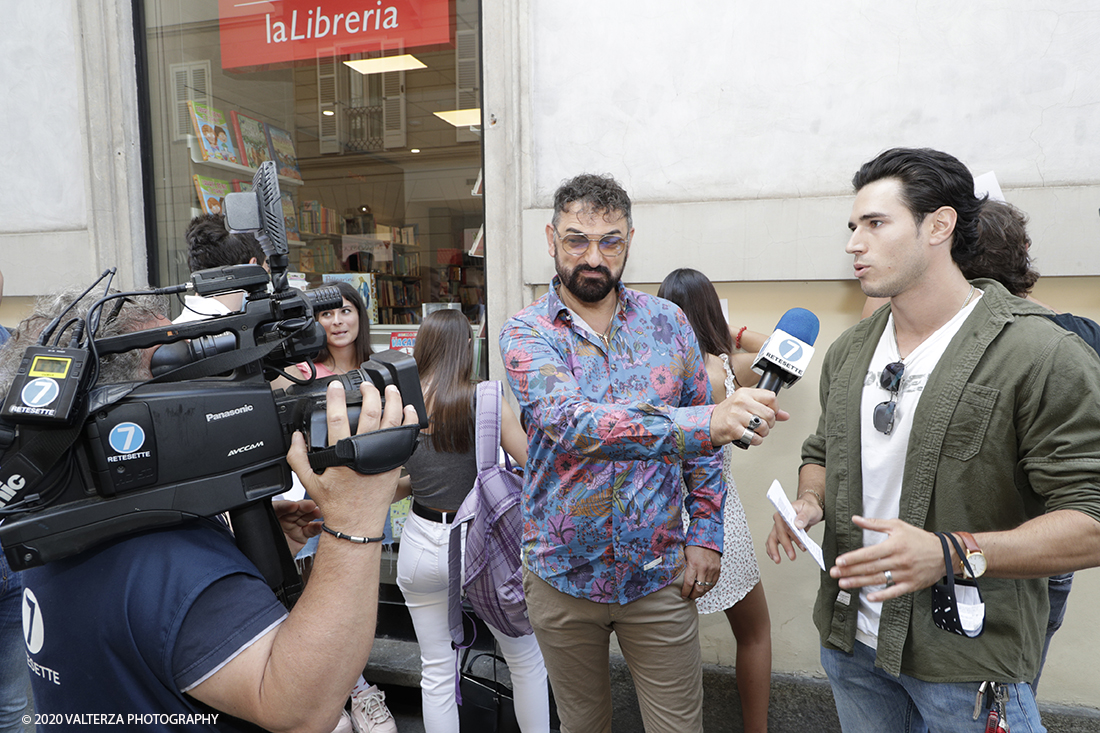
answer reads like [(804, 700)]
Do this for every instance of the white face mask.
[(957, 605)]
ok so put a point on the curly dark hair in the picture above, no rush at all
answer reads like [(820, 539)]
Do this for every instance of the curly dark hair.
[(1003, 249), (134, 313), (596, 194), (929, 180), (210, 244)]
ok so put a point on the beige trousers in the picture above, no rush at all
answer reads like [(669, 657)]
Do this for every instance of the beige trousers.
[(659, 637)]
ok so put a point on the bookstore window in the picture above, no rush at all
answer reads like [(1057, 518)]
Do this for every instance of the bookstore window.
[(372, 114), (371, 111)]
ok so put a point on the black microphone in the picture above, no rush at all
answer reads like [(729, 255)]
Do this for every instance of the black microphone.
[(784, 356)]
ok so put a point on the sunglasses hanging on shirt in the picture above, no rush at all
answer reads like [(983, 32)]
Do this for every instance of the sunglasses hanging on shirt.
[(890, 380)]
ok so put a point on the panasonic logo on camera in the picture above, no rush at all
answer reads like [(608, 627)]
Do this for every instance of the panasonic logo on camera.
[(212, 416), (245, 448)]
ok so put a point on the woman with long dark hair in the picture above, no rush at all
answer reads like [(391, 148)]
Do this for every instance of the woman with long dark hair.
[(739, 591), (347, 335), (441, 474), (347, 339)]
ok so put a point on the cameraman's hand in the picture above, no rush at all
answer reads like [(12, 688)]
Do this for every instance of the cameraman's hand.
[(350, 502), (298, 520)]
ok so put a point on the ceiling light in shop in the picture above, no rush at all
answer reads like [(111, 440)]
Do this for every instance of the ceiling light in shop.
[(415, 150), (405, 62), (461, 117), (328, 113)]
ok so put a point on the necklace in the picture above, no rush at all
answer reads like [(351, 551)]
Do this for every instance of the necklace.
[(968, 297)]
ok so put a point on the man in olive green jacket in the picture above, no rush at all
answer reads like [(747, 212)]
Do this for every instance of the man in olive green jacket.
[(957, 409)]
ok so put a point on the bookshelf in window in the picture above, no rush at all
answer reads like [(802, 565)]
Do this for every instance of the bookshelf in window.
[(240, 171)]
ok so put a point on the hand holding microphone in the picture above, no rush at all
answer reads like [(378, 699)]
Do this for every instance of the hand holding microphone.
[(749, 414)]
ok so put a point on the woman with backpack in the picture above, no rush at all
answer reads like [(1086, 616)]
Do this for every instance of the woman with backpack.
[(739, 591), (441, 473)]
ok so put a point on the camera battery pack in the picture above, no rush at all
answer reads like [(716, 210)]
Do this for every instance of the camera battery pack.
[(48, 386)]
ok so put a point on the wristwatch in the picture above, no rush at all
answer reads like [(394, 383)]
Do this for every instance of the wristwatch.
[(974, 555)]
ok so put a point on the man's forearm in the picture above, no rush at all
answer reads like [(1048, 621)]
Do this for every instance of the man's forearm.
[(297, 676), (1054, 543)]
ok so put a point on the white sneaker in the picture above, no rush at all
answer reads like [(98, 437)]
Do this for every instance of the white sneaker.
[(344, 726), (369, 713)]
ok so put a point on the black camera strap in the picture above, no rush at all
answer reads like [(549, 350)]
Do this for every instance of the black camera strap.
[(23, 471)]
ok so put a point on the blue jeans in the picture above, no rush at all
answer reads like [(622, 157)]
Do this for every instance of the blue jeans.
[(1058, 588), (13, 652), (870, 700)]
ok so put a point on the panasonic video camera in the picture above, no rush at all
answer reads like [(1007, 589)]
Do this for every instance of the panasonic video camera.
[(82, 463)]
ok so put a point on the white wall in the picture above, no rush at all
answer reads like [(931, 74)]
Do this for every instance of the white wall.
[(737, 126), (750, 104), (72, 203)]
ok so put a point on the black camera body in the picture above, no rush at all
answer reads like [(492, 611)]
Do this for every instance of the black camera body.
[(170, 452), (206, 435)]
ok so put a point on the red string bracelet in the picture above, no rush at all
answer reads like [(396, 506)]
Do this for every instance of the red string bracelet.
[(737, 341)]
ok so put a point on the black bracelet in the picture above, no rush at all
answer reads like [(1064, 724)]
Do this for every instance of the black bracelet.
[(351, 538)]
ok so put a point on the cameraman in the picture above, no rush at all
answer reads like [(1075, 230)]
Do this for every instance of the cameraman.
[(174, 628)]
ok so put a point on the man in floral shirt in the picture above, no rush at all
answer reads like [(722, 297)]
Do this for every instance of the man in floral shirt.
[(615, 401)]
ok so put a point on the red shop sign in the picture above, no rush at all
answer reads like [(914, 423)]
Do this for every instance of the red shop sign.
[(263, 32)]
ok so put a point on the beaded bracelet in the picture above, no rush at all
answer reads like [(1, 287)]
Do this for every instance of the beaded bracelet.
[(737, 341), (351, 538)]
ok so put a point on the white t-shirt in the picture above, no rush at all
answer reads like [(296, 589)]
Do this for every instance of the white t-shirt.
[(198, 308), (883, 456)]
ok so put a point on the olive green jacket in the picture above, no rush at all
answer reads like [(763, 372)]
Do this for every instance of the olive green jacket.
[(1008, 427)]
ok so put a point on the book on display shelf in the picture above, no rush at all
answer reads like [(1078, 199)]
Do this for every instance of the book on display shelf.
[(251, 137), (212, 132), (316, 257), (211, 193), (281, 148), (290, 217), (364, 284)]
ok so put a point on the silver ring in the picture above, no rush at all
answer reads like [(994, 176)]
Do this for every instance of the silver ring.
[(755, 422), (889, 578), (746, 438), (700, 582)]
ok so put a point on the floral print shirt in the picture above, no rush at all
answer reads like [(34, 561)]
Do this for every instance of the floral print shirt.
[(610, 431)]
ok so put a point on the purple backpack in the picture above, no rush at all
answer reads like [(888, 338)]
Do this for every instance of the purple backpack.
[(493, 581)]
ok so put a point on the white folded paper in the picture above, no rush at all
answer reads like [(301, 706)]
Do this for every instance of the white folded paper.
[(782, 504)]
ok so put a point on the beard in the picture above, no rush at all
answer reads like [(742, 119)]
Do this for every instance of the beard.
[(588, 289)]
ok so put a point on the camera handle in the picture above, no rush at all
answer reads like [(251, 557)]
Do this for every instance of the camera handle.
[(369, 453), (261, 539)]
